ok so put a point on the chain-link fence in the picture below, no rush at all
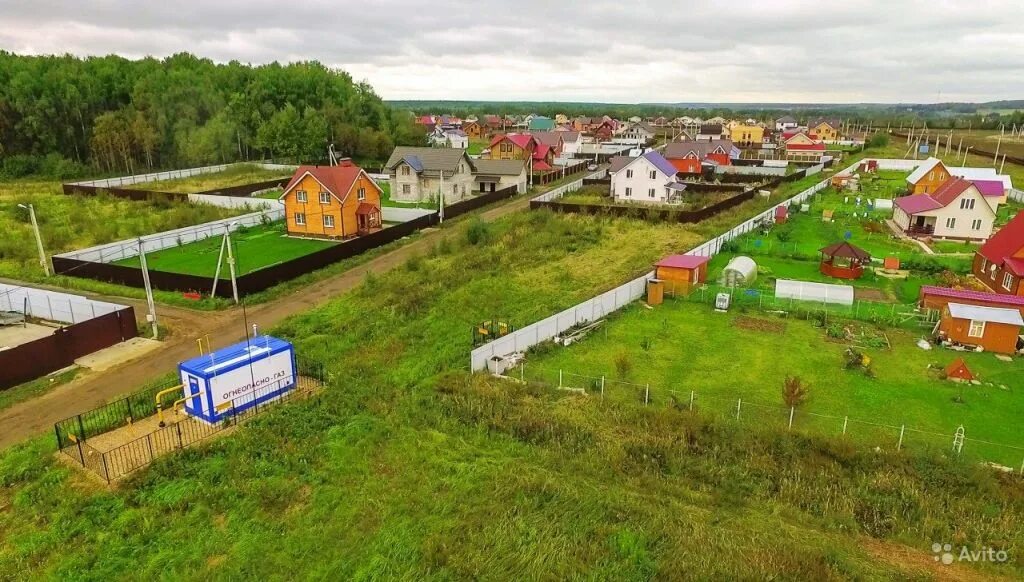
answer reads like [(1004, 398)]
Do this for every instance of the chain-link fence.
[(874, 433)]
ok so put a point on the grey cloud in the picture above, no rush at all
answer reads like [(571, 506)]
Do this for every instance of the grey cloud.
[(618, 51)]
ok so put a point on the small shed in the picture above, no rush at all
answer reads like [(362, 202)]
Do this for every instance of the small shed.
[(781, 214), (740, 272), (843, 260), (681, 273), (958, 370), (993, 329)]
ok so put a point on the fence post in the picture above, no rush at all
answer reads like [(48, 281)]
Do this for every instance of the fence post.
[(106, 473), (81, 428), (149, 441), (691, 400), (81, 457), (647, 394), (602, 387), (899, 445), (846, 419), (559, 377), (522, 371), (792, 409), (739, 403), (177, 427), (128, 404)]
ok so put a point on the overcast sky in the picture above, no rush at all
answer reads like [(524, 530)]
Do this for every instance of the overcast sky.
[(624, 51)]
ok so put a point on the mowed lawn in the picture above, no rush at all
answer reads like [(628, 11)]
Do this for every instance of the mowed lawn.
[(255, 248), (684, 346)]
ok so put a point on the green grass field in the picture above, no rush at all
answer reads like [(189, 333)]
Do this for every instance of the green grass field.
[(255, 248), (689, 345), (406, 467), (236, 175)]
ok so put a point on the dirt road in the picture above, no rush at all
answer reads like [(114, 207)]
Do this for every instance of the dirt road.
[(91, 390)]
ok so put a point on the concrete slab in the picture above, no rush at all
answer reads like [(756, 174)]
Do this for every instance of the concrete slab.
[(119, 353), (15, 335)]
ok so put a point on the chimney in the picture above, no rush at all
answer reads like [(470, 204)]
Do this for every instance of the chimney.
[(345, 162)]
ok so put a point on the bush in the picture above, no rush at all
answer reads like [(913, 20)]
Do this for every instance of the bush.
[(794, 392), (879, 140), (477, 232), (623, 365)]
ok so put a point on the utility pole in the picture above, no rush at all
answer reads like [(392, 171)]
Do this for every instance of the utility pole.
[(440, 200), (231, 261), (39, 238), (149, 288), (998, 143)]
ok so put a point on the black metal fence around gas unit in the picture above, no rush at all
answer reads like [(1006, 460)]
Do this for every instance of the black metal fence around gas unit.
[(121, 459)]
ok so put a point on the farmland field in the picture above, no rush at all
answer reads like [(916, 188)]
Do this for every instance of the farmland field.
[(715, 354), (404, 468), (255, 248), (235, 175)]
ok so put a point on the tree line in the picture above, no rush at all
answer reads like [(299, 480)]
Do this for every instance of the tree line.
[(65, 115)]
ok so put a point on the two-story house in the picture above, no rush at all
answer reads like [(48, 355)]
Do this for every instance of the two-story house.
[(999, 263), (331, 202), (646, 179), (956, 210), (419, 174), (801, 147), (689, 156), (745, 135), (927, 177), (826, 129)]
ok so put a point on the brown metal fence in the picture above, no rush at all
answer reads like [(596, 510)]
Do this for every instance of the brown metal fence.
[(267, 277), (120, 460), (47, 354)]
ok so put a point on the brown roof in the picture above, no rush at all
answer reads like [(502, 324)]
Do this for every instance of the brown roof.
[(619, 162), (950, 190), (338, 180), (846, 251)]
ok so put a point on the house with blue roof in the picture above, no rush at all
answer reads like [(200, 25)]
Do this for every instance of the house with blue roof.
[(646, 179)]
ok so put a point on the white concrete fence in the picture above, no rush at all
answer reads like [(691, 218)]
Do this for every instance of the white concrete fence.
[(52, 305), (752, 170), (1017, 195), (619, 297), (124, 249), (175, 174)]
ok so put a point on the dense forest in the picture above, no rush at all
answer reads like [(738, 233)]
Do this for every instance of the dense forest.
[(63, 115)]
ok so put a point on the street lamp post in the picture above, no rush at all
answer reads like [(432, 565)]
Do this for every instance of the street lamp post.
[(39, 238)]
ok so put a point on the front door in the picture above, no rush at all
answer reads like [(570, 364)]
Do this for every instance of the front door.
[(363, 222), (919, 221)]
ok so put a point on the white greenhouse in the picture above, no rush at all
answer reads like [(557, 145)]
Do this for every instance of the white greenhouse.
[(817, 292), (740, 272)]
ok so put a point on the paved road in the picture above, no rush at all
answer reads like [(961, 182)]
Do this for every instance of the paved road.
[(225, 327)]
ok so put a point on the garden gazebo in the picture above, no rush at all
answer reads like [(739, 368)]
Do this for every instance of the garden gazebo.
[(842, 260)]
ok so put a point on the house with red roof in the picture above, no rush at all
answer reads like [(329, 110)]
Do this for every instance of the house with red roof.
[(523, 146), (689, 156), (801, 147), (332, 202), (956, 210), (999, 263)]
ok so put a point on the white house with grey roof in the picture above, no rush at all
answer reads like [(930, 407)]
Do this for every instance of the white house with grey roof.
[(421, 174), (645, 179)]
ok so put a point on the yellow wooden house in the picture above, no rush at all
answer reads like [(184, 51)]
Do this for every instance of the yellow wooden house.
[(332, 202)]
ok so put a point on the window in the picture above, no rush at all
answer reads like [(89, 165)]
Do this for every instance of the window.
[(406, 189), (455, 188), (405, 170), (629, 173), (650, 192), (325, 198), (951, 222), (1007, 281), (926, 189), (629, 191), (300, 196), (984, 263), (328, 221), (976, 225), (977, 329), (300, 219), (654, 174), (361, 194), (967, 204)]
